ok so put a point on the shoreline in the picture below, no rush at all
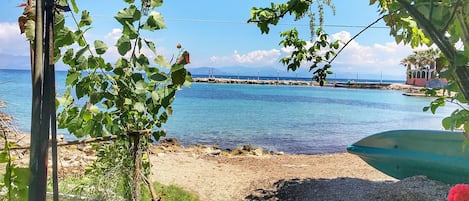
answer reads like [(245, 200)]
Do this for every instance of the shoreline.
[(407, 89), (212, 175)]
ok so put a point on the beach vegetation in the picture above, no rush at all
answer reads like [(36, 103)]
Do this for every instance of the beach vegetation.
[(417, 23), (14, 180), (78, 188)]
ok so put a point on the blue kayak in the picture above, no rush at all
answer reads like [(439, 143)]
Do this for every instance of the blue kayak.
[(439, 155)]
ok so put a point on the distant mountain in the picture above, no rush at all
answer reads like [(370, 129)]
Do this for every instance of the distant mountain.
[(14, 62), (248, 71)]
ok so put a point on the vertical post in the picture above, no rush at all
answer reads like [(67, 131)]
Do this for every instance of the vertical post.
[(49, 92), (39, 138), (381, 80)]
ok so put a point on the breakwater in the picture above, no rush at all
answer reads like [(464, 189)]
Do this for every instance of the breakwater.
[(358, 85)]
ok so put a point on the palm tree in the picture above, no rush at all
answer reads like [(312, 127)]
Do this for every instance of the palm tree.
[(422, 60)]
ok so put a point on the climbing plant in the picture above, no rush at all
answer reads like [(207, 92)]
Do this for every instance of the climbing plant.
[(126, 98), (15, 180), (318, 52), (130, 98)]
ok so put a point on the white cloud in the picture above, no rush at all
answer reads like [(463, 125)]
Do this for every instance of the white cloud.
[(355, 58), (370, 59), (114, 35), (11, 41), (254, 58)]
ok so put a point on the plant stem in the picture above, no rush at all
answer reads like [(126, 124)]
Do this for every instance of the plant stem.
[(136, 156)]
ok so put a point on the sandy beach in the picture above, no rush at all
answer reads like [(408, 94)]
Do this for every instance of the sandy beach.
[(221, 175), (339, 176)]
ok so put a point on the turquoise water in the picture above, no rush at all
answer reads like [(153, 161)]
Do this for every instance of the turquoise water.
[(293, 119)]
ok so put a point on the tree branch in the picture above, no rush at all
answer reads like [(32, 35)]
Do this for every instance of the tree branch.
[(356, 35)]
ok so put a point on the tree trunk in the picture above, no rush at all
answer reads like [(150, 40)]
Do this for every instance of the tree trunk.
[(462, 79)]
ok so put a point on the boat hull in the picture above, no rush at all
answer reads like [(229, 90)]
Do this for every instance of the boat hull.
[(439, 155)]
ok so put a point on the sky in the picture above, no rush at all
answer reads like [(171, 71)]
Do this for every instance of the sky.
[(217, 36)]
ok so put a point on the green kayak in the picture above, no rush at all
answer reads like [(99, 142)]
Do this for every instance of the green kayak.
[(439, 155)]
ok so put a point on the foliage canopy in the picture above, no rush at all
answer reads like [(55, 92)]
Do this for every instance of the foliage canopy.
[(444, 23)]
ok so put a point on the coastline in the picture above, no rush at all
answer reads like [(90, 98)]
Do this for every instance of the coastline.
[(407, 89)]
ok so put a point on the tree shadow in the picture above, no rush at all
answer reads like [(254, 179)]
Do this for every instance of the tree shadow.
[(352, 189)]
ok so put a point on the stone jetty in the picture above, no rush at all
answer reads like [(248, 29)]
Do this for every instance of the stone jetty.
[(243, 81), (359, 85)]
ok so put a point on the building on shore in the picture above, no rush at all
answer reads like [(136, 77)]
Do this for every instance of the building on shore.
[(422, 69)]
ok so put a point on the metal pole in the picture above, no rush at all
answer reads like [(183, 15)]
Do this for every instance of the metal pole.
[(39, 138)]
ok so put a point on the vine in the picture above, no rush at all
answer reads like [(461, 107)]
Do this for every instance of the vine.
[(15, 179), (129, 96), (318, 54)]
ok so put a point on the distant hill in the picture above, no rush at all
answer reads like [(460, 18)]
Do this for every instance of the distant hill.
[(248, 71), (14, 62)]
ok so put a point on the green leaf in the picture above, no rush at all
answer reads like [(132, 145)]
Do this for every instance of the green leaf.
[(161, 60), (140, 87), (123, 45), (94, 109), (68, 57), (160, 76), (72, 78), (92, 62), (4, 157), (188, 80), (23, 176), (176, 67), (139, 107), (151, 46), (155, 97), (100, 47), (74, 6), (142, 62), (156, 3), (87, 115), (131, 15), (81, 51), (130, 30), (426, 108), (154, 22), (179, 76), (85, 19), (448, 123), (127, 101)]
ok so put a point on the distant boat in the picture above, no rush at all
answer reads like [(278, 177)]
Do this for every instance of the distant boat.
[(439, 155), (346, 85)]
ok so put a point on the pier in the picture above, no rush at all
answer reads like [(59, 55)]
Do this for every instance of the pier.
[(356, 85)]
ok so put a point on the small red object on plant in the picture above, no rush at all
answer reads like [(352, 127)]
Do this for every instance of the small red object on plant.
[(459, 192)]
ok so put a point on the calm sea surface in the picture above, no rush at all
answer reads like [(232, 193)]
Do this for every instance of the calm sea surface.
[(293, 119)]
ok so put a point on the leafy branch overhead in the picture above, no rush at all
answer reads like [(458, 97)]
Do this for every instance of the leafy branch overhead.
[(318, 52), (445, 24), (129, 94), (418, 22)]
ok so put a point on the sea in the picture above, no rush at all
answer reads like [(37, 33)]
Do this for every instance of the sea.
[(291, 119)]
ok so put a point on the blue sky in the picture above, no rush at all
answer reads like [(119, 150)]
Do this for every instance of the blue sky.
[(217, 35)]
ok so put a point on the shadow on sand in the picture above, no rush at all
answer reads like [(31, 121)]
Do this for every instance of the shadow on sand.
[(353, 189)]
